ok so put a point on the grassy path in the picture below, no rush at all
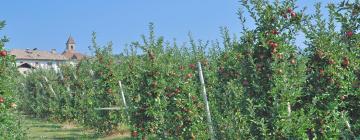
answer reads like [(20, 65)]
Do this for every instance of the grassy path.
[(43, 130)]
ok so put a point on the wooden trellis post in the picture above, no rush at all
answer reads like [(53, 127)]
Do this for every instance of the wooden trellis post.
[(50, 86), (208, 114), (119, 108), (123, 100), (289, 109), (122, 94), (109, 108)]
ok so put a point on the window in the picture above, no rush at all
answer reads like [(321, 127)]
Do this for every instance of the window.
[(49, 63), (21, 62), (37, 63), (72, 47)]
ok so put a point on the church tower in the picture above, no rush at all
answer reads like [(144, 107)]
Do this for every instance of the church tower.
[(70, 52), (70, 45)]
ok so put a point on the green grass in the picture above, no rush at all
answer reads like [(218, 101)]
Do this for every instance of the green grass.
[(45, 130)]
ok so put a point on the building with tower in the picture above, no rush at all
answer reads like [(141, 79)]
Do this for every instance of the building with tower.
[(70, 52), (29, 59)]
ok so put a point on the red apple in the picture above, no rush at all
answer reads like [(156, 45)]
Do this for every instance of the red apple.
[(274, 45), (349, 33), (2, 100), (134, 133), (192, 66), (289, 10), (293, 14), (345, 62), (274, 32), (189, 75), (3, 53), (270, 43)]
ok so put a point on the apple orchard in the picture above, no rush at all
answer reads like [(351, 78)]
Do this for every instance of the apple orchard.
[(256, 86)]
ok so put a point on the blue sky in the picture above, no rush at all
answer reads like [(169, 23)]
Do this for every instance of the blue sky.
[(46, 24)]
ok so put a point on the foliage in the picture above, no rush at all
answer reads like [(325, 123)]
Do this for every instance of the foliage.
[(260, 86), (10, 127)]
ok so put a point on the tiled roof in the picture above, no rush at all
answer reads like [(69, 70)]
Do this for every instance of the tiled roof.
[(73, 55), (36, 54)]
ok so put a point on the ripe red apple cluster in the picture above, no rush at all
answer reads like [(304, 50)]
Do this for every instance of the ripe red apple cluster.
[(3, 53), (274, 32), (192, 66), (291, 12), (349, 33), (273, 46)]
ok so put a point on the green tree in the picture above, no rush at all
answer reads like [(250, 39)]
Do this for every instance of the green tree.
[(272, 73), (330, 76), (10, 127)]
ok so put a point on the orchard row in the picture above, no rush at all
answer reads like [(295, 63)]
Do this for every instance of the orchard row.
[(259, 86)]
